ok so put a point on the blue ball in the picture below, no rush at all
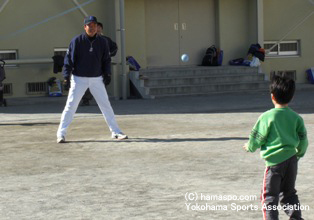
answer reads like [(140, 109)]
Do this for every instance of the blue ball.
[(185, 57)]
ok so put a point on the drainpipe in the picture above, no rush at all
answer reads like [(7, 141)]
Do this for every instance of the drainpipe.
[(123, 53), (3, 5), (260, 26), (260, 22), (80, 7)]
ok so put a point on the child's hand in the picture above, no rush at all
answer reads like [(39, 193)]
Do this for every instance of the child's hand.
[(245, 147)]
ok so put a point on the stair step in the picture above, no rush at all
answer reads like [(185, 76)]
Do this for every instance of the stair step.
[(194, 80), (208, 88), (198, 71), (179, 81), (207, 93)]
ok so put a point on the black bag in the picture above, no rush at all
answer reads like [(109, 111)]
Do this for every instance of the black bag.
[(3, 102), (2, 72), (257, 51), (237, 62), (254, 48), (58, 62), (211, 57), (132, 63)]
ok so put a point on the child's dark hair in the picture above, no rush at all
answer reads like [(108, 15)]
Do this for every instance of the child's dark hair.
[(283, 88)]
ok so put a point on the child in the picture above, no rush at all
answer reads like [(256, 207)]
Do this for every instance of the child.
[(281, 135)]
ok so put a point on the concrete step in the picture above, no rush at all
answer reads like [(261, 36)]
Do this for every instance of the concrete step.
[(152, 83), (196, 71), (208, 88), (199, 80)]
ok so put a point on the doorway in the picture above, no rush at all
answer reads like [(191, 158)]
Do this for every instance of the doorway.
[(176, 27)]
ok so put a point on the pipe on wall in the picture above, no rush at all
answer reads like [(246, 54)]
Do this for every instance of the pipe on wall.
[(123, 53), (3, 5)]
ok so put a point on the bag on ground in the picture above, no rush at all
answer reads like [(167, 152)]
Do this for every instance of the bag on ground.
[(212, 57), (132, 63), (2, 73), (310, 75)]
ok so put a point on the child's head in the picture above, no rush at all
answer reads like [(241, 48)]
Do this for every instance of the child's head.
[(282, 88)]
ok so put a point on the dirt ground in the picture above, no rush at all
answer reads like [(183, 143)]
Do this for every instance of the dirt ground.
[(184, 160)]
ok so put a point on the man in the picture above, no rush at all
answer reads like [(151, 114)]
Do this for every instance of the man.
[(113, 48), (88, 61)]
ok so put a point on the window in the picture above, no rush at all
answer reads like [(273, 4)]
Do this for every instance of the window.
[(288, 73), (60, 51), (284, 48), (36, 88), (8, 55), (7, 89)]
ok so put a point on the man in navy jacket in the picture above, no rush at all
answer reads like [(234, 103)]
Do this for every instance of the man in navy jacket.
[(87, 64), (113, 48)]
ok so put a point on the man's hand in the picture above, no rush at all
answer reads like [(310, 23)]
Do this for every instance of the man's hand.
[(66, 83), (107, 79)]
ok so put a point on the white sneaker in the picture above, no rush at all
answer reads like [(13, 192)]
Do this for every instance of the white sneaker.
[(61, 140), (118, 136)]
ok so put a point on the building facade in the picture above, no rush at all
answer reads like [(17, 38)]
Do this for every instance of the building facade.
[(156, 34)]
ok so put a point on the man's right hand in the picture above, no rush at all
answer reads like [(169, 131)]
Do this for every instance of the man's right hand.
[(66, 84)]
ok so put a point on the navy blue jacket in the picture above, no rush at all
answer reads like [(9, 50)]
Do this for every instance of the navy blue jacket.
[(87, 58)]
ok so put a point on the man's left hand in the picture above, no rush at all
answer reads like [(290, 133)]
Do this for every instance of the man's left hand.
[(107, 79)]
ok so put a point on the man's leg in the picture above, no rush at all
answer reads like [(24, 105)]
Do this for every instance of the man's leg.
[(99, 92), (78, 87), (288, 193)]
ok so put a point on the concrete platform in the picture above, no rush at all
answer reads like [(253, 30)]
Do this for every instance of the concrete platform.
[(180, 149), (196, 80)]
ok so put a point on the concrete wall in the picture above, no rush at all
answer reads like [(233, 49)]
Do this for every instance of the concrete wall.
[(135, 30), (234, 27), (233, 30), (279, 18)]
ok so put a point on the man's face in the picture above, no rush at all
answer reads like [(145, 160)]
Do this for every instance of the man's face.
[(99, 29), (91, 29)]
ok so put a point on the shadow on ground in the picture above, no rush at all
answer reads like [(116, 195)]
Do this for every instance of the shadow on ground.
[(158, 140)]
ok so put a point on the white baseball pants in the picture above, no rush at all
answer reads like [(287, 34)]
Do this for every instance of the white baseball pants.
[(78, 87)]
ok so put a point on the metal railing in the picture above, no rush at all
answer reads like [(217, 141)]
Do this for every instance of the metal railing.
[(290, 31)]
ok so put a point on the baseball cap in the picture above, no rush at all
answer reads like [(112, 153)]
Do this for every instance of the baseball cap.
[(90, 19)]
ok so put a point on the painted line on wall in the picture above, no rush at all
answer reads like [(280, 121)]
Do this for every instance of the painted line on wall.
[(13, 34)]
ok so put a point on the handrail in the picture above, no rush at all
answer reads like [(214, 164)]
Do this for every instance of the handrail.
[(80, 7), (3, 5), (289, 32)]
